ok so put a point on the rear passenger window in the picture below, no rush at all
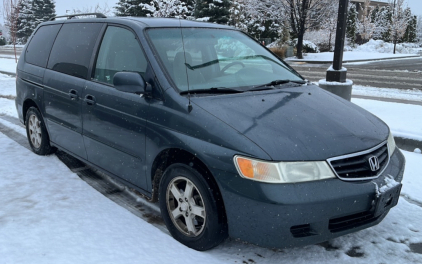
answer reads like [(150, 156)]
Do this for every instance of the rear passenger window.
[(40, 45), (120, 51), (73, 47)]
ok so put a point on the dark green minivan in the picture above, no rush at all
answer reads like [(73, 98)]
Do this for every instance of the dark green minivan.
[(228, 138)]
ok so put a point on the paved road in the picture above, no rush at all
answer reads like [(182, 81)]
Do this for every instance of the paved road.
[(402, 74)]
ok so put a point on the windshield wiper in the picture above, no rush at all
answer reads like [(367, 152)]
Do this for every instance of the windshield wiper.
[(213, 90), (271, 85)]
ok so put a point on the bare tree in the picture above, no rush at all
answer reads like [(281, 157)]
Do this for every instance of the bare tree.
[(365, 26), (10, 15), (104, 9), (399, 20), (302, 15)]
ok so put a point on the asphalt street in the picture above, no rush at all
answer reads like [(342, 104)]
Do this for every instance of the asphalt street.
[(398, 73)]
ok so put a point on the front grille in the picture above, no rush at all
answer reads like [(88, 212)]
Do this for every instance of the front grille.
[(357, 166), (350, 221)]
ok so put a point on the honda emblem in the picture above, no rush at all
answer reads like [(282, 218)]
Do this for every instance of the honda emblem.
[(374, 163)]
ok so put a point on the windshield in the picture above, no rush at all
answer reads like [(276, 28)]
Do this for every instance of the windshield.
[(216, 58)]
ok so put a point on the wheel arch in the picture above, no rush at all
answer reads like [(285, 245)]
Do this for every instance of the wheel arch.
[(26, 105), (171, 156)]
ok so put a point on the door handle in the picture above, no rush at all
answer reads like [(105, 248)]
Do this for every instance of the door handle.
[(73, 94), (89, 99)]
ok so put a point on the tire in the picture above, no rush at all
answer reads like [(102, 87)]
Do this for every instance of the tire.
[(197, 220), (37, 133)]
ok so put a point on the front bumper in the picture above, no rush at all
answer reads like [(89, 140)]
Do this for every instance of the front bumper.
[(289, 215)]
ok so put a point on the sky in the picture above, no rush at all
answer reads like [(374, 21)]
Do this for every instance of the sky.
[(416, 6)]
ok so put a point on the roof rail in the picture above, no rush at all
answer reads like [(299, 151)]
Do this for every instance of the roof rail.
[(98, 15)]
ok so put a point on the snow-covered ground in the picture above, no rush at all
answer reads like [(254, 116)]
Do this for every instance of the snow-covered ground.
[(350, 56), (49, 215), (372, 50), (412, 95), (7, 63), (405, 120)]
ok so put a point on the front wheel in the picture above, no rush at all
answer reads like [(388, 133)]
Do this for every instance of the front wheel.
[(189, 208), (37, 133)]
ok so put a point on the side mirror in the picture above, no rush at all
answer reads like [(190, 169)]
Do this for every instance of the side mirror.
[(129, 82)]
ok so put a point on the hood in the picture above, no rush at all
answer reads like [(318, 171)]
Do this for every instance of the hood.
[(298, 124)]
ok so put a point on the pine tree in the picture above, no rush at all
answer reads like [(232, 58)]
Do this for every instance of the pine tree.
[(382, 21), (49, 10), (213, 10), (42, 11), (190, 6), (132, 8), (351, 29), (25, 21), (410, 33), (166, 8)]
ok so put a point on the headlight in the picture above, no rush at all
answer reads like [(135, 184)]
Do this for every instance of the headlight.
[(282, 172), (391, 144)]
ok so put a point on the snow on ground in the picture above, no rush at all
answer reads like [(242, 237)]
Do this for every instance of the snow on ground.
[(379, 46), (8, 64), (7, 87), (405, 120), (49, 215), (413, 95), (349, 56)]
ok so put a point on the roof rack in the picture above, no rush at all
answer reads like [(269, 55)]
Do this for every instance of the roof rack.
[(98, 15)]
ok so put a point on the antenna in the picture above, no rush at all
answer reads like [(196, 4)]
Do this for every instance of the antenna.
[(186, 68)]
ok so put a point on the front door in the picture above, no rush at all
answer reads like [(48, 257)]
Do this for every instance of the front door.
[(114, 121)]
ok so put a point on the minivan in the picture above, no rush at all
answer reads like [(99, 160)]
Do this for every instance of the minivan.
[(228, 138)]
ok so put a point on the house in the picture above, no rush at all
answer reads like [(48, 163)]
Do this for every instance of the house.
[(359, 5)]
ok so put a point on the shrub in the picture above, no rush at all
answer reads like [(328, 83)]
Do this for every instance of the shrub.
[(280, 52)]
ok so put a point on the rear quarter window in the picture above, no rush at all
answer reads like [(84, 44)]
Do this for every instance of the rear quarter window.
[(40, 45), (72, 50)]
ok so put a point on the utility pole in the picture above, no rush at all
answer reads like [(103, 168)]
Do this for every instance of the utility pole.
[(336, 75)]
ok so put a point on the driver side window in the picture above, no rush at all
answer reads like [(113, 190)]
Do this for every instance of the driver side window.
[(119, 51)]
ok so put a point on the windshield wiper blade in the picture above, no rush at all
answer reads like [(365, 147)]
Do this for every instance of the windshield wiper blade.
[(271, 85), (213, 90)]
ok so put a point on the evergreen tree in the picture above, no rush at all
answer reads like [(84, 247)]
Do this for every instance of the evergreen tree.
[(25, 21), (190, 6), (351, 29), (215, 10), (410, 33), (132, 8), (166, 8), (382, 20), (42, 11)]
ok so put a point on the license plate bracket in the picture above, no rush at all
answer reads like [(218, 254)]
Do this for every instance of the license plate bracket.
[(387, 200)]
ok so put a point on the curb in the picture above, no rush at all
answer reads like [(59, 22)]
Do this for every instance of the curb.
[(351, 61)]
